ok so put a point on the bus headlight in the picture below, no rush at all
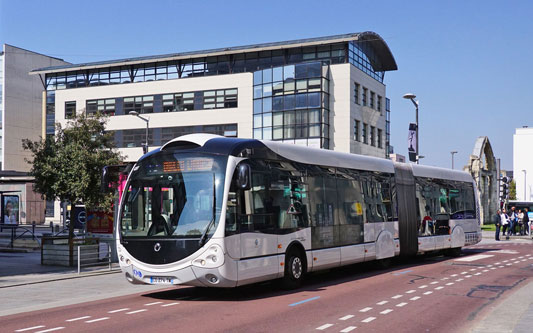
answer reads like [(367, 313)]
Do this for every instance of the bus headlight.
[(211, 258)]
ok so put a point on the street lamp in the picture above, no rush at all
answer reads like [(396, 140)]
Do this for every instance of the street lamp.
[(525, 184), (412, 98), (136, 114), (453, 153)]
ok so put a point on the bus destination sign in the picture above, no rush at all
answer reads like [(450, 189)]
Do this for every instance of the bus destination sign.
[(188, 165)]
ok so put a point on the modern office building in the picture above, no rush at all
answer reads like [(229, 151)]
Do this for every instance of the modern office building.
[(21, 117), (325, 92), (523, 163)]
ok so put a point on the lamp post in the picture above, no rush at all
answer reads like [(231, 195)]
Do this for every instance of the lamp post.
[(136, 114), (412, 98), (453, 153), (525, 184)]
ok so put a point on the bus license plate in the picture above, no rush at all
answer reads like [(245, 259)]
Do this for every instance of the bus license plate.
[(160, 280)]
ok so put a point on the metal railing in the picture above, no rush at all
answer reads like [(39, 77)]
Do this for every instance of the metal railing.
[(15, 228), (89, 256)]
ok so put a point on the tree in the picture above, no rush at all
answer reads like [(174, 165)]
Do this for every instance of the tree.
[(512, 190), (68, 166)]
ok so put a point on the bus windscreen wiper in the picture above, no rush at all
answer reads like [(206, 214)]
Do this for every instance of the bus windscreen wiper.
[(204, 235)]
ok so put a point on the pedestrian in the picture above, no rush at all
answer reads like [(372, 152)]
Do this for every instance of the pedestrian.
[(520, 222), (505, 222), (527, 228), (498, 222), (512, 221)]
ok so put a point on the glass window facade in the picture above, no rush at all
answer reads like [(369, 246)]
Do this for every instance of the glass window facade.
[(140, 104), (362, 56), (356, 89), (158, 136), (356, 130), (50, 112), (199, 100), (104, 106), (291, 104), (70, 110)]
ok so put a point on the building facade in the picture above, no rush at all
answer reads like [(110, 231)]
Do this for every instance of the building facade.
[(523, 163), (325, 92)]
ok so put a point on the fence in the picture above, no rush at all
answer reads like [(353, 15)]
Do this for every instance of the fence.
[(59, 250), (20, 232), (89, 256)]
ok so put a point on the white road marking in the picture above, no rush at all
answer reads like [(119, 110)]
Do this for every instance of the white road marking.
[(506, 251), (410, 291), (468, 276), (367, 320), (422, 287), (323, 327), (97, 319), (401, 304), (521, 257), (454, 275), (414, 298), (346, 317), (493, 267), (459, 280), (365, 310), (382, 302), (497, 263), (397, 296), (439, 288), (29, 328), (463, 273), (170, 304), (505, 260), (485, 270), (444, 278), (79, 318), (489, 265), (118, 310), (154, 303), (428, 293), (136, 311), (508, 264), (450, 283), (523, 260), (51, 330), (348, 329), (473, 269), (434, 282), (386, 311), (476, 257)]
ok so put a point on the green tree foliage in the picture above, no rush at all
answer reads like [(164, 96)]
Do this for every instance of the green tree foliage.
[(68, 166), (512, 190)]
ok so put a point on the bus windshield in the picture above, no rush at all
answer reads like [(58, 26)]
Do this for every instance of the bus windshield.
[(174, 195)]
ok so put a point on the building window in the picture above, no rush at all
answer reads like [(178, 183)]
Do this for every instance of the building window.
[(140, 104), (365, 93), (379, 103), (356, 93), (365, 133), (104, 106), (199, 100), (372, 136), (70, 110), (372, 98), (356, 125), (380, 140)]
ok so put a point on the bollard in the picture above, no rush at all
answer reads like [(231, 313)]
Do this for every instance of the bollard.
[(33, 230), (79, 267), (52, 226), (109, 254)]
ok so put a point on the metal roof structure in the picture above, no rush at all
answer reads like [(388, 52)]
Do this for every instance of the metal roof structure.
[(386, 58)]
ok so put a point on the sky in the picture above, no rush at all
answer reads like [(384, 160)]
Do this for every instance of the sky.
[(466, 61)]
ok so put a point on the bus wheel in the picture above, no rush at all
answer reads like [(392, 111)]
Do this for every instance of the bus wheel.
[(294, 270), (454, 252), (384, 263)]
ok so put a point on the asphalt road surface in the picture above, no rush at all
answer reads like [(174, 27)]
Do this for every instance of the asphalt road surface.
[(429, 293)]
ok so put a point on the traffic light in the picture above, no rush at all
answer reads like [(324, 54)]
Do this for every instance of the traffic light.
[(504, 188)]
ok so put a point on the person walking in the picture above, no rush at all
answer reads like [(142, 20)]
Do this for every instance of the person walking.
[(498, 222), (525, 220), (504, 219), (520, 216), (512, 221)]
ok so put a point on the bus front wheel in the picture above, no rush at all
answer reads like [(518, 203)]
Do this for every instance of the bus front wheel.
[(294, 270)]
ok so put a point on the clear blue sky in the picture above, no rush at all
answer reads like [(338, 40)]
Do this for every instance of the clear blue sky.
[(469, 62)]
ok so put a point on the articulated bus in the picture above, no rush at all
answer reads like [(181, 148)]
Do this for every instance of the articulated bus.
[(205, 210)]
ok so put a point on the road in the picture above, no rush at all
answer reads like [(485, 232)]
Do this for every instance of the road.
[(431, 293)]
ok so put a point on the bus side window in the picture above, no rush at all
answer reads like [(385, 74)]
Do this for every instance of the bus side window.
[(231, 214)]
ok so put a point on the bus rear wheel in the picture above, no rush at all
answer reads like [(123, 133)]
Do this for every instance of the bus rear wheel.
[(294, 270), (454, 252)]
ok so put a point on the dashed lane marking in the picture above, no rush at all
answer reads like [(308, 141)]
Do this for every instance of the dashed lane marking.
[(382, 302), (450, 283), (397, 296), (50, 330), (439, 288), (97, 319), (154, 303), (118, 310), (410, 291), (136, 311), (365, 309), (486, 270), (454, 275), (422, 287), (463, 273), (477, 274), (445, 278), (348, 329), (401, 304), (459, 280), (386, 311), (29, 328), (473, 269), (414, 298), (79, 318), (346, 317), (428, 293), (434, 282), (323, 327), (468, 276), (367, 320), (476, 257), (170, 304)]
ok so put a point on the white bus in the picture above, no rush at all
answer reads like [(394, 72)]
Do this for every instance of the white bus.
[(205, 210)]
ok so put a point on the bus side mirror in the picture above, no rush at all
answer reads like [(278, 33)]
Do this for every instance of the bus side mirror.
[(244, 179), (106, 180)]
